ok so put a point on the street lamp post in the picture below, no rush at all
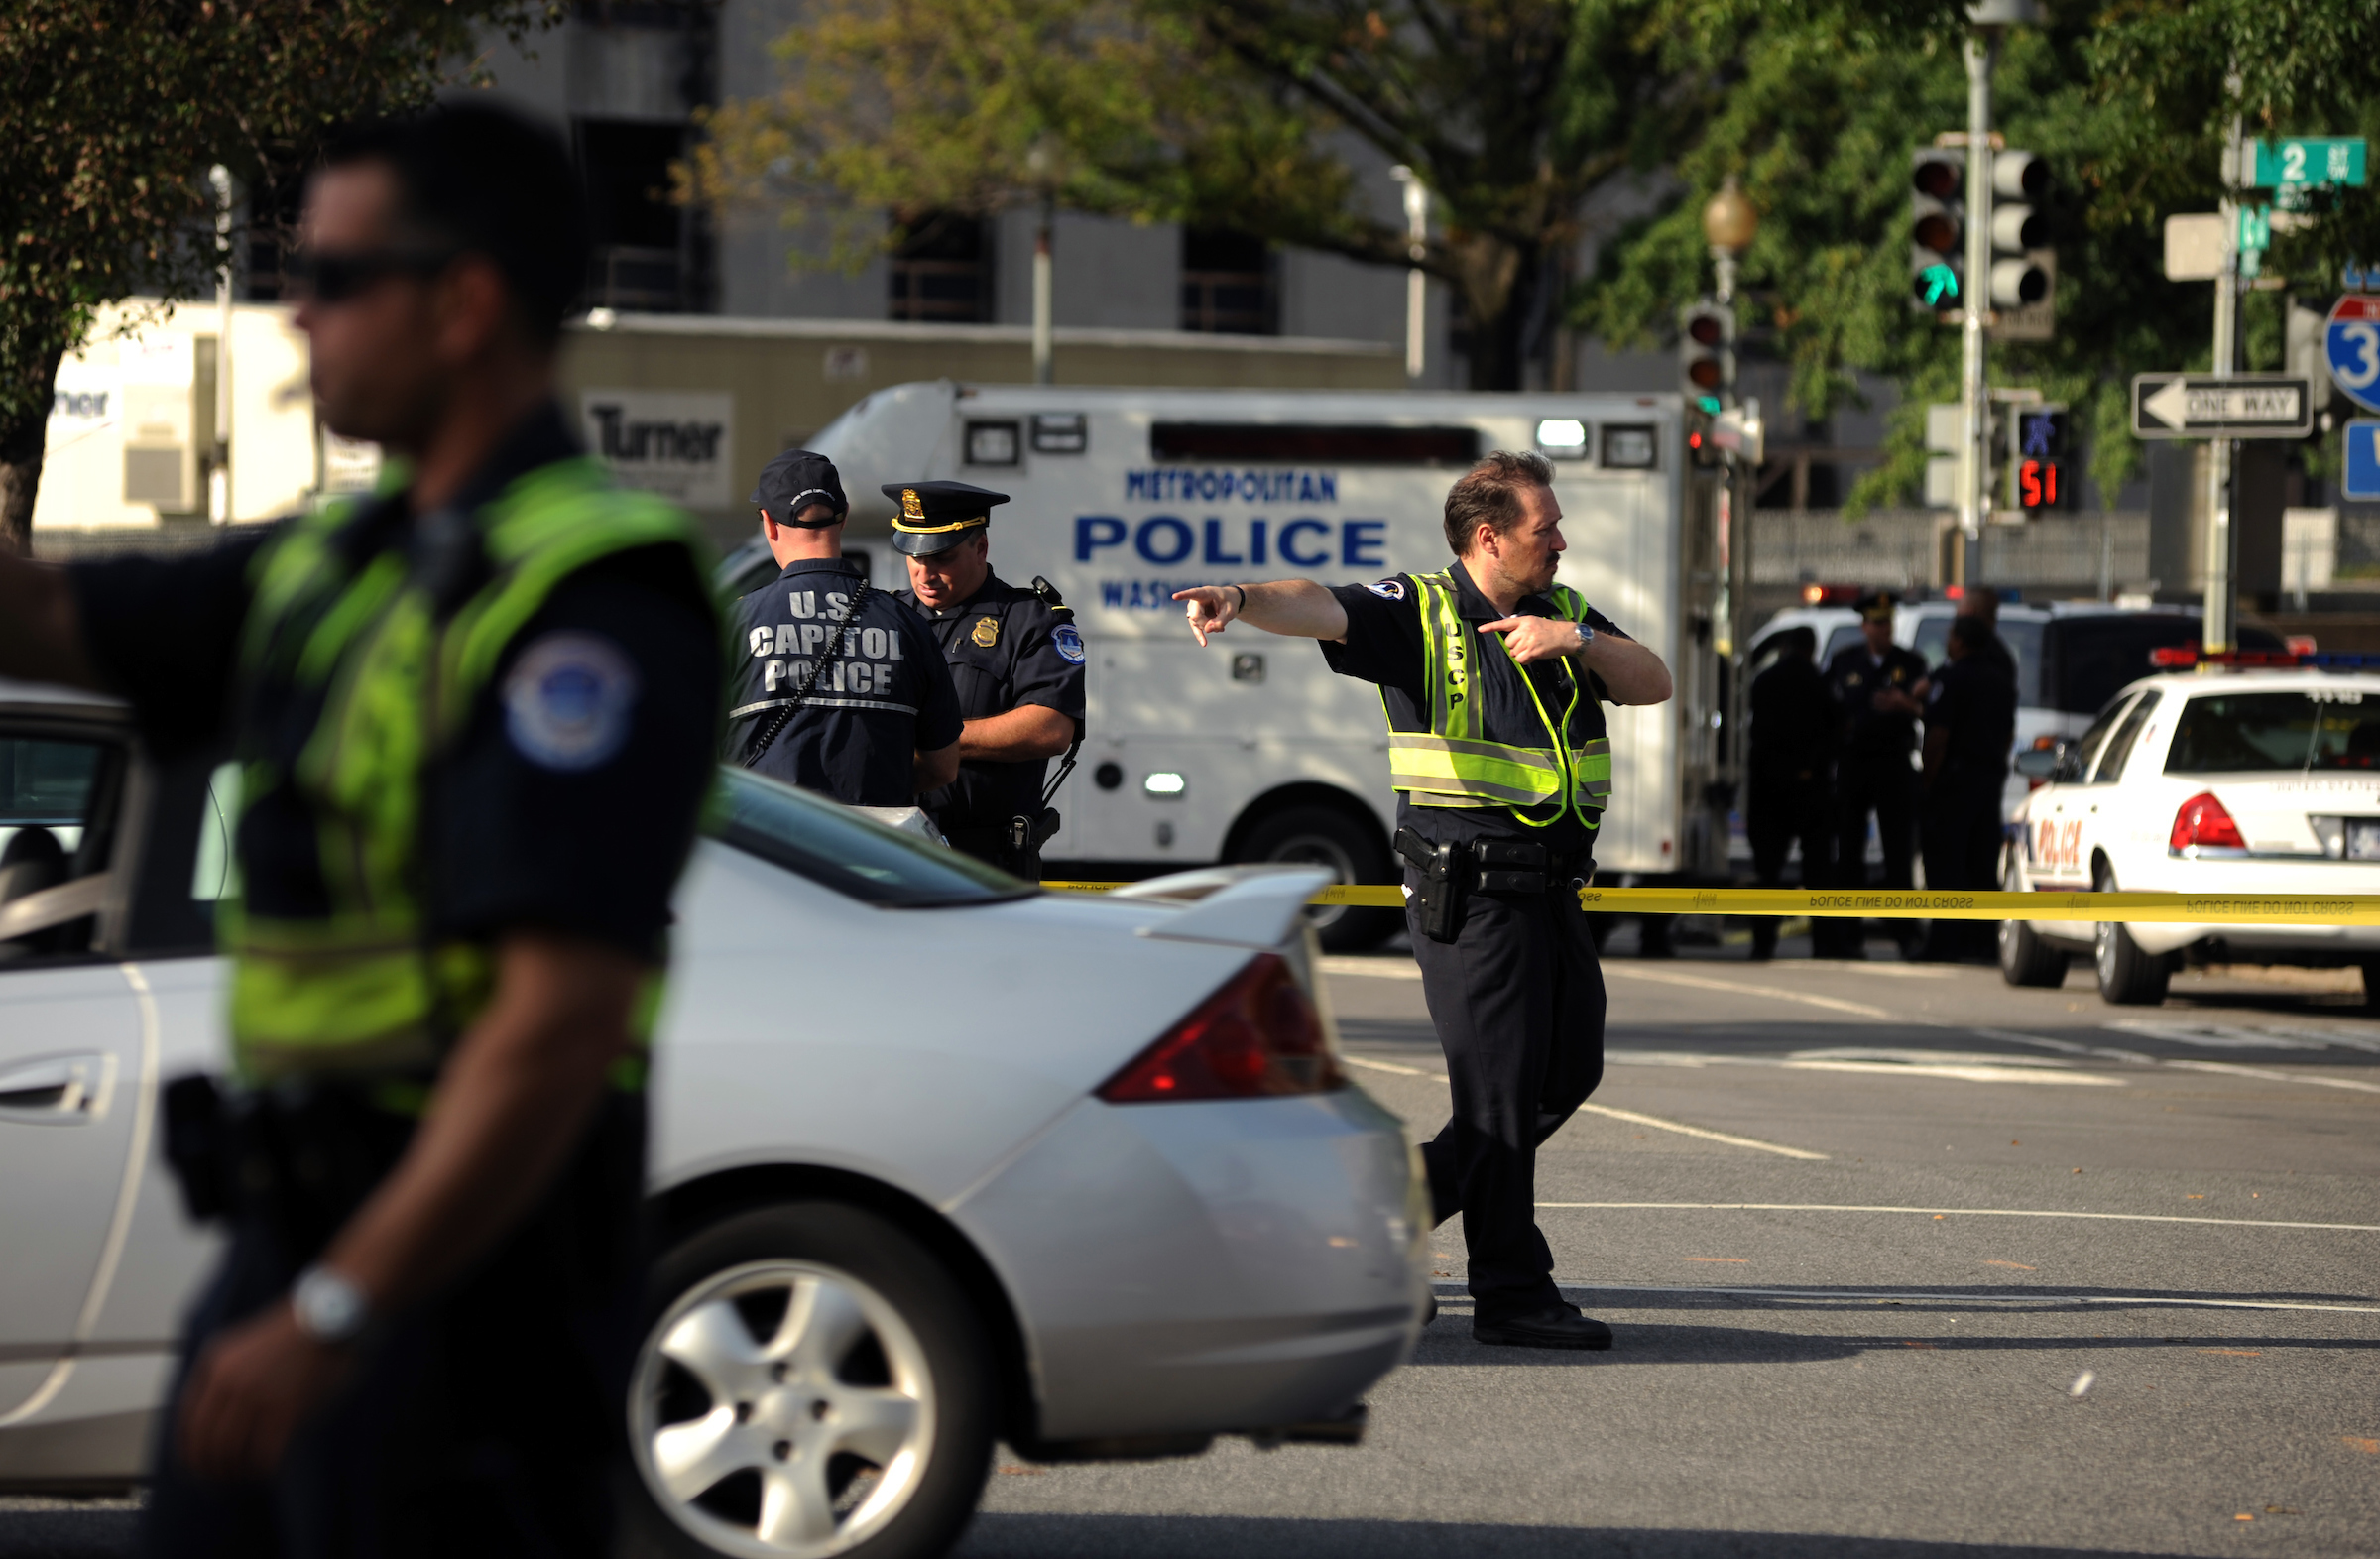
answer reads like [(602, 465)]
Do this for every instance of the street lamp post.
[(1730, 223), (1043, 163), (1417, 248)]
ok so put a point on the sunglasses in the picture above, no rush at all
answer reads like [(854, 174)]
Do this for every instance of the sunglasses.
[(337, 277)]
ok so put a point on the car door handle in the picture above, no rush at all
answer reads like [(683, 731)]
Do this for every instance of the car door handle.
[(56, 1090)]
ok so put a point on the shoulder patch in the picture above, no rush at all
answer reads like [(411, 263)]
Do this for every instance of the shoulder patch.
[(1069, 641), (566, 701), (1390, 589)]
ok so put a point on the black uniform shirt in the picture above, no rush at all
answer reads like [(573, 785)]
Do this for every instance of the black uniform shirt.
[(1387, 645), (1976, 699), (868, 712), (1794, 721), (1006, 650), (1855, 677), (521, 835)]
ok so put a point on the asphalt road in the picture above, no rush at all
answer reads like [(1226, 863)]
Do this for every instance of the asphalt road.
[(1902, 1261)]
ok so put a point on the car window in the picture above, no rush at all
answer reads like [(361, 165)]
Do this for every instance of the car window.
[(2245, 733), (2119, 746), (839, 848), (2347, 735), (2087, 659), (2085, 749), (58, 803), (1839, 641), (1933, 640), (2022, 636)]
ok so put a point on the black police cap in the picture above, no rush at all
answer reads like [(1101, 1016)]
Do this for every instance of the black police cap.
[(1876, 606), (935, 517), (799, 480)]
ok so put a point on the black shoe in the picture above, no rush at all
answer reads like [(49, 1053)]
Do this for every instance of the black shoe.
[(1559, 1327), (1429, 1307)]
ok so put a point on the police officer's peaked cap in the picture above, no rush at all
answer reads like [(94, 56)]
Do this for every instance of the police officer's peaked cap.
[(935, 517), (1876, 606), (799, 480)]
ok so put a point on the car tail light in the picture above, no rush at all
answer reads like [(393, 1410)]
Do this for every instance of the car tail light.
[(2202, 822), (1257, 1037)]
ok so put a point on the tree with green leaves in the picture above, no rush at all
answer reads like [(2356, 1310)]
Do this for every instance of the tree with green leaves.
[(1240, 114), (2130, 102), (115, 110)]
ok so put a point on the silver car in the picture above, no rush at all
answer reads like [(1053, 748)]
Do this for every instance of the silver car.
[(937, 1158)]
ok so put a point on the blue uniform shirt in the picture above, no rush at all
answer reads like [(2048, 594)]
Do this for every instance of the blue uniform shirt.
[(885, 695)]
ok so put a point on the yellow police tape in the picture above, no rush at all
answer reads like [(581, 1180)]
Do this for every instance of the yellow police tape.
[(2182, 908)]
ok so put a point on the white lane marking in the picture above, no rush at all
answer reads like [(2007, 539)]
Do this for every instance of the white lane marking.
[(2034, 1301), (1774, 993), (1956, 1212), (1653, 1121), (1963, 1074), (1392, 1066), (1863, 969), (2232, 1069), (1960, 1066), (2064, 1046), (1377, 968), (1696, 1130), (2214, 1036)]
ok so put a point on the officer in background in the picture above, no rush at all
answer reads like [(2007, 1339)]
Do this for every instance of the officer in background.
[(1970, 722), (1789, 778), (842, 689), (1876, 685), (1983, 603), (1018, 659), (1493, 678), (475, 716)]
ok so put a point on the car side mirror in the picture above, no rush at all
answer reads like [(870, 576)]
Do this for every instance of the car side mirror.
[(2039, 762)]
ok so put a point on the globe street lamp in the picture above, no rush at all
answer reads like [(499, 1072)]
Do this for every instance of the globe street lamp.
[(1730, 223)]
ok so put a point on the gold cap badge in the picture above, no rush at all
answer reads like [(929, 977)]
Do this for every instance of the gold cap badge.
[(911, 506)]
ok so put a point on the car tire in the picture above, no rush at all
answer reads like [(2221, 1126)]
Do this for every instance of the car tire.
[(1348, 850), (2025, 959), (811, 1381), (2128, 976)]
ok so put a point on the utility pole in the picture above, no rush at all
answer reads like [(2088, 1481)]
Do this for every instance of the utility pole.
[(218, 474), (1045, 162), (1417, 248), (2215, 627), (1974, 405)]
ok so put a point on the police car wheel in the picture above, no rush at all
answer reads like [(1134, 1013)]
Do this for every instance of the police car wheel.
[(811, 1382), (2128, 975), (1320, 836), (2025, 959)]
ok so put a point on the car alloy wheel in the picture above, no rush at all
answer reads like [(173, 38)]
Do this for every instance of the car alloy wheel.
[(781, 1409)]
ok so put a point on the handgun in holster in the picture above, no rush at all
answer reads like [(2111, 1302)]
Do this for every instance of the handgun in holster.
[(1443, 867)]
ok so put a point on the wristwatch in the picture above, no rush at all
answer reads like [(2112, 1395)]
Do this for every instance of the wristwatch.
[(329, 1308), (1585, 635)]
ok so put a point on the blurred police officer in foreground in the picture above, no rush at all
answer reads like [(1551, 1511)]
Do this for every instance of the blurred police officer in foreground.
[(843, 689), (1494, 679), (1018, 659), (1789, 778), (1970, 722), (475, 716), (1877, 685)]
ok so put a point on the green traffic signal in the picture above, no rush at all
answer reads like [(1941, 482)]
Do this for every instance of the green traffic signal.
[(1937, 286), (1709, 405)]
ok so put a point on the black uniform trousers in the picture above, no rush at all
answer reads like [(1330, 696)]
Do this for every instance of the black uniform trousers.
[(488, 1421), (1517, 999), (1885, 785), (1962, 835), (1783, 805)]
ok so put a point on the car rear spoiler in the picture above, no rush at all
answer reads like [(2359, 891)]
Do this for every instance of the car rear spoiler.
[(1236, 906)]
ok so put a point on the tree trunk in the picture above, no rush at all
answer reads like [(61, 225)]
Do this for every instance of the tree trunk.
[(1498, 305), (23, 439)]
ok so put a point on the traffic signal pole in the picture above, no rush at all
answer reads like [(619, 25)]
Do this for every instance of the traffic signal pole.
[(2214, 625), (1975, 461)]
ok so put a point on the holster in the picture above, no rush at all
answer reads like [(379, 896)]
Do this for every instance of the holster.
[(1438, 903), (300, 1159)]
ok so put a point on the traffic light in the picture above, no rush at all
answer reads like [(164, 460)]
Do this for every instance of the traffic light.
[(2036, 460), (2020, 230), (1707, 354), (1937, 224)]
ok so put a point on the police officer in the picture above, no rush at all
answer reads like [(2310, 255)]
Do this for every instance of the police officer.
[(1876, 685), (1789, 775), (474, 716), (1018, 659), (1970, 722), (1493, 678), (842, 689)]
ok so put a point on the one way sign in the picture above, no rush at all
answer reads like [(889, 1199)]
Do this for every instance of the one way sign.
[(2247, 406)]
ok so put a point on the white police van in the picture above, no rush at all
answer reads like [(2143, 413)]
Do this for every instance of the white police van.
[(1251, 750)]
